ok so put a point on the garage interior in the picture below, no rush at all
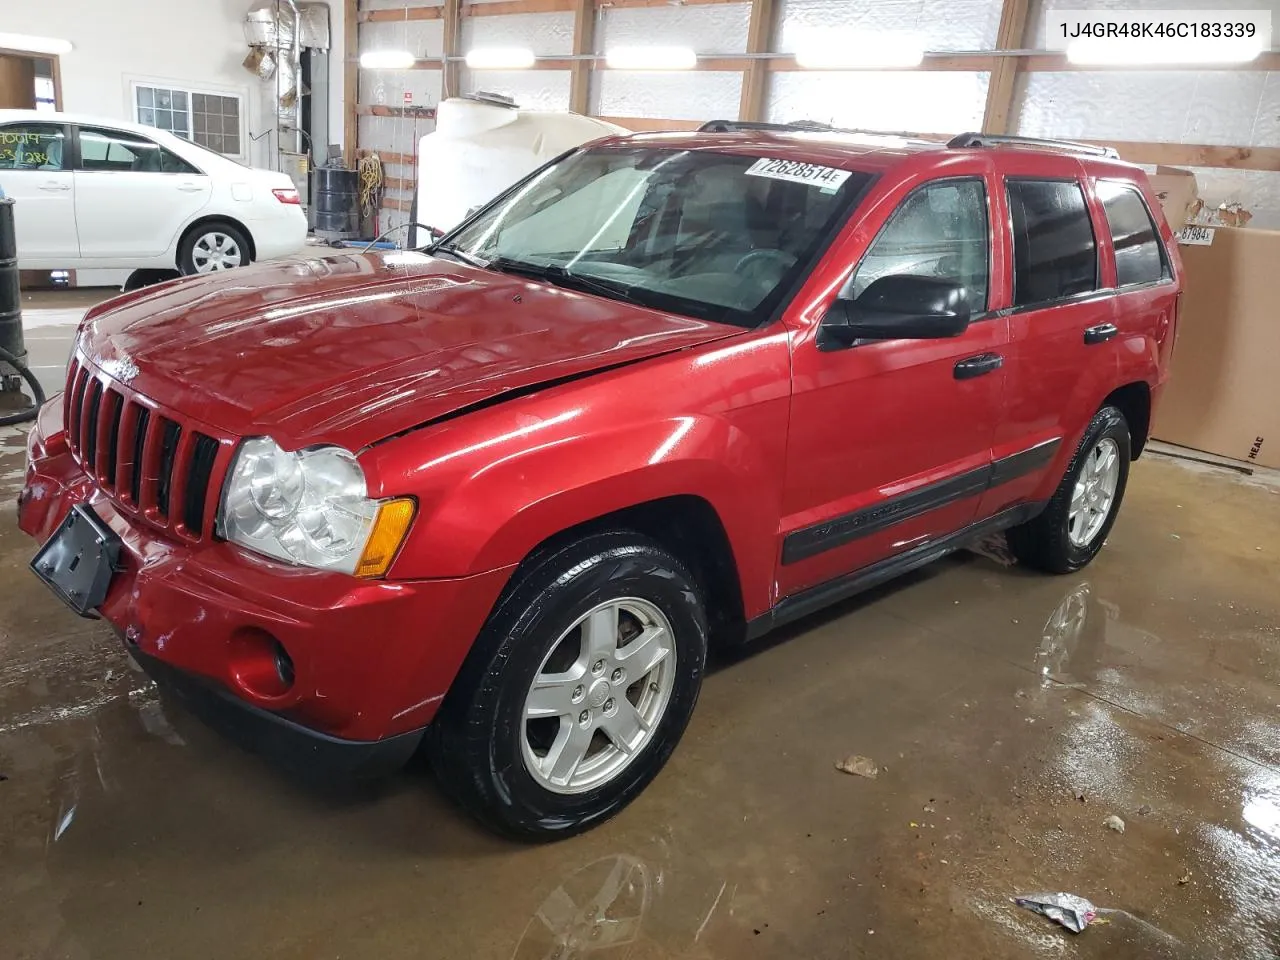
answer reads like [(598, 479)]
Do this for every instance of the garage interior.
[(1009, 715)]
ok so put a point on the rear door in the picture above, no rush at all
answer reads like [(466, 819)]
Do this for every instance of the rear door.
[(35, 170), (1060, 308), (890, 440), (1146, 296), (132, 195)]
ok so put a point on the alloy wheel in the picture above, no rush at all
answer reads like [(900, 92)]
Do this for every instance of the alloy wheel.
[(598, 696), (1094, 493)]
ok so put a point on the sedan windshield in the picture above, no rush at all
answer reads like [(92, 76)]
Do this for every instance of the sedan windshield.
[(716, 236)]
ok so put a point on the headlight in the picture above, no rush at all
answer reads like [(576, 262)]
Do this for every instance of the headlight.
[(310, 508)]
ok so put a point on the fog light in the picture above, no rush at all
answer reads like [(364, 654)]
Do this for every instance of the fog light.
[(259, 664), (284, 666)]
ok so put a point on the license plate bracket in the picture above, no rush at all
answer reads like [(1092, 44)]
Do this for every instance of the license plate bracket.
[(79, 560)]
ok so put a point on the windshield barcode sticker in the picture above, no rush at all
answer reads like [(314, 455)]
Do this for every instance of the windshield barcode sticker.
[(828, 179), (1196, 236)]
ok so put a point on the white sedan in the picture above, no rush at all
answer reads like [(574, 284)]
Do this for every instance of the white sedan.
[(105, 194)]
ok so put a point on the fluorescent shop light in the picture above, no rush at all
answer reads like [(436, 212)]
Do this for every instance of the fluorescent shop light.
[(387, 60), (860, 51), (500, 58), (651, 58), (1120, 52), (30, 44)]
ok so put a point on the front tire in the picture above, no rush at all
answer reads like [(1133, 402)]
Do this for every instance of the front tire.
[(577, 689), (1074, 526), (211, 247)]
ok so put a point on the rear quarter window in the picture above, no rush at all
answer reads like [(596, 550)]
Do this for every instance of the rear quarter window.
[(1140, 257)]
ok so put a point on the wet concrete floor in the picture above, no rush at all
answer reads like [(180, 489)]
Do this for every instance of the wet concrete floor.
[(1010, 714)]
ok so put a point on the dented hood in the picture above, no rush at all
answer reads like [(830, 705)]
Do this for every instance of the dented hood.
[(352, 349)]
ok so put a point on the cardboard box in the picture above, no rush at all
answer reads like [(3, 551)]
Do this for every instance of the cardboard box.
[(1223, 395), (1177, 192)]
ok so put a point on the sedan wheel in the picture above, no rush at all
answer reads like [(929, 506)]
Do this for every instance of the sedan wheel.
[(216, 251), (213, 247)]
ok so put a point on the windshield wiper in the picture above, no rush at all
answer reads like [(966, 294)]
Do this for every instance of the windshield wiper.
[(560, 276), (457, 253)]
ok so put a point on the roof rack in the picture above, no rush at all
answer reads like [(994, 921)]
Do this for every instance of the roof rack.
[(995, 140), (803, 126), (737, 126)]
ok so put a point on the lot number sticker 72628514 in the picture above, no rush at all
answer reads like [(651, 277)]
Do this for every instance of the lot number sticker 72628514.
[(828, 179)]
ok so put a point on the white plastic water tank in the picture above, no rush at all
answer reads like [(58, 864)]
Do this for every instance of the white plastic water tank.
[(480, 148)]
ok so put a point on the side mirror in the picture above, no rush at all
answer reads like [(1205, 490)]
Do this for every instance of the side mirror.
[(901, 307)]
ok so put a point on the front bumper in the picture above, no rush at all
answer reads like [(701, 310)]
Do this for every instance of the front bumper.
[(295, 747), (371, 659)]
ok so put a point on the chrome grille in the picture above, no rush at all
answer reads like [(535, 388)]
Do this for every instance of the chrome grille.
[(151, 462)]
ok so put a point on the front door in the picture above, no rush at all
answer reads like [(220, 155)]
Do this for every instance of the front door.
[(35, 171), (132, 195), (890, 440)]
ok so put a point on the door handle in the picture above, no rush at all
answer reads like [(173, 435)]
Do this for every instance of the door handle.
[(55, 186), (190, 187), (972, 367), (1100, 333)]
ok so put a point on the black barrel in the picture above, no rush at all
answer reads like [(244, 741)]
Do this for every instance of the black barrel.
[(10, 298), (335, 203)]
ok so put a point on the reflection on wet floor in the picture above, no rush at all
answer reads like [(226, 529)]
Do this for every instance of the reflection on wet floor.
[(1010, 715)]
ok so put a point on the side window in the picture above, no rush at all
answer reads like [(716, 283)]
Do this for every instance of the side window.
[(1054, 252), (172, 163), (1139, 255), (31, 146), (115, 150), (939, 230)]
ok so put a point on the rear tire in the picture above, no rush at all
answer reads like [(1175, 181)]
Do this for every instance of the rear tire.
[(506, 755), (212, 247), (1074, 526)]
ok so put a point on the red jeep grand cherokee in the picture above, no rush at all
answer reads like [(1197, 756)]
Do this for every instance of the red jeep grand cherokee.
[(670, 389)]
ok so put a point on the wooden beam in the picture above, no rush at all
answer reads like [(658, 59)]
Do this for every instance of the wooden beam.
[(399, 183), (450, 82), (504, 7), (390, 156), (501, 8), (411, 113), (390, 203), (350, 79), (401, 14), (755, 78), (1195, 154), (549, 63), (661, 3), (945, 64), (584, 42), (996, 118)]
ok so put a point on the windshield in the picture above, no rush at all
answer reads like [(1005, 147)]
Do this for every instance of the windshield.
[(715, 236)]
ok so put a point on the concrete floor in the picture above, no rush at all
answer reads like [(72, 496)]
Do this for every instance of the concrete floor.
[(1011, 713)]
